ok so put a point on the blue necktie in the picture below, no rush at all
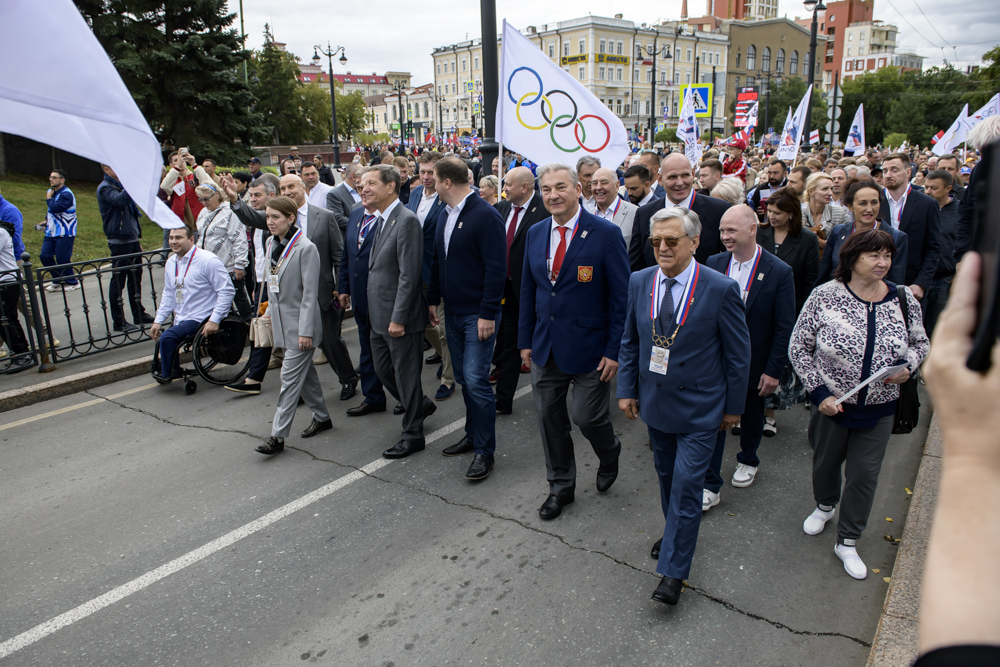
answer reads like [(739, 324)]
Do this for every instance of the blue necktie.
[(666, 306), (365, 228)]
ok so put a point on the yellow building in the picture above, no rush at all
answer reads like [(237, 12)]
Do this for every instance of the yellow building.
[(604, 55)]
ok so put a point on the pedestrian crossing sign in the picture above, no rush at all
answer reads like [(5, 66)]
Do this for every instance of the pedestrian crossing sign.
[(702, 97)]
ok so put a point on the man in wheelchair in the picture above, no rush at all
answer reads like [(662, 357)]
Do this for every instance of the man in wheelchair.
[(196, 286)]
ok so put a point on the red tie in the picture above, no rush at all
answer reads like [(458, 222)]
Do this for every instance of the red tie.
[(560, 252), (511, 228)]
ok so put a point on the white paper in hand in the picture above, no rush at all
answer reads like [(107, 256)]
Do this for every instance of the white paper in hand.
[(881, 375)]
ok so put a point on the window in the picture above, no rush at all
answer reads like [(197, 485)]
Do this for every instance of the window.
[(618, 106), (805, 63), (464, 63), (439, 68), (780, 63), (850, 37), (793, 67), (439, 91), (848, 50), (687, 77), (678, 55), (635, 74), (583, 72), (416, 110), (601, 48), (765, 59), (600, 73), (635, 107), (751, 57), (861, 49), (861, 37), (476, 61), (620, 73), (552, 50), (647, 106), (385, 118), (689, 55), (739, 57), (446, 68), (426, 114), (663, 77), (394, 112), (621, 47), (649, 75), (737, 82), (465, 113), (565, 48)]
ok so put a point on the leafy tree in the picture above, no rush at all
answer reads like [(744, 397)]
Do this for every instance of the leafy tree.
[(277, 89), (877, 91), (789, 94), (666, 135), (894, 139), (352, 114), (183, 63), (986, 80)]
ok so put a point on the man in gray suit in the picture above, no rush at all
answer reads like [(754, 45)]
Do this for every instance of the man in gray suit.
[(397, 307), (611, 207), (343, 198)]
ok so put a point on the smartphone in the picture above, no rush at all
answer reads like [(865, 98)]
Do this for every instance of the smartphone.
[(986, 242), (40, 226)]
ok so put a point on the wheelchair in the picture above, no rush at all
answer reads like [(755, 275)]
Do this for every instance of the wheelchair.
[(219, 359)]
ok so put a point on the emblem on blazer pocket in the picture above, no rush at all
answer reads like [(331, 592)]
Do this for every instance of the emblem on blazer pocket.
[(585, 274)]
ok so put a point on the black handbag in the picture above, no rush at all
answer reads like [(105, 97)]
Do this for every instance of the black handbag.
[(908, 405)]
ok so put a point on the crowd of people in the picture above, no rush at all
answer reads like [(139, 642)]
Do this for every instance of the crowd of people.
[(717, 294)]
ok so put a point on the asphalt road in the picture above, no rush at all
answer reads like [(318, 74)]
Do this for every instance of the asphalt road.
[(156, 501)]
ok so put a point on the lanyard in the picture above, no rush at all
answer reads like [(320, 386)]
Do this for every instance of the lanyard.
[(753, 271), (687, 299), (618, 203), (281, 259), (902, 203), (190, 262)]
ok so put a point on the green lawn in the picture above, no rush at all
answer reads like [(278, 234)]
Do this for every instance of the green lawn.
[(28, 194)]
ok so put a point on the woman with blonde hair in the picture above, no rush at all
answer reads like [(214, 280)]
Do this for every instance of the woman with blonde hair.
[(489, 187), (730, 190), (221, 233), (818, 214)]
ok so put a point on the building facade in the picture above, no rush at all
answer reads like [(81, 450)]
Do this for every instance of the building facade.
[(742, 10), (834, 23)]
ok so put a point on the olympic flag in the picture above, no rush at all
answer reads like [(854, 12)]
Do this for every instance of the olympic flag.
[(856, 137), (82, 105), (992, 108), (955, 135), (546, 115), (791, 136), (687, 128)]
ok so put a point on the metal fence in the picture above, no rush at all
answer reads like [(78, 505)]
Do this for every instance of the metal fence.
[(82, 308)]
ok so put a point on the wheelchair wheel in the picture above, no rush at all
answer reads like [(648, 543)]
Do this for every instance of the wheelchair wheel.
[(223, 357), (190, 387)]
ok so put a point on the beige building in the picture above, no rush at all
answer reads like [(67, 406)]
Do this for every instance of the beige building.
[(870, 46), (602, 54), (418, 112)]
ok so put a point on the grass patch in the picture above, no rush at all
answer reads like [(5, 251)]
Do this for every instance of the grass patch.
[(27, 193)]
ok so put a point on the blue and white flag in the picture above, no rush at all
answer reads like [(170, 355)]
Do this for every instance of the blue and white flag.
[(955, 135), (687, 128), (856, 137), (791, 135)]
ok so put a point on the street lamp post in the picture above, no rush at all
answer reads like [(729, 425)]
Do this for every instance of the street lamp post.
[(439, 100), (398, 86), (815, 6), (330, 53), (653, 51), (764, 79), (491, 84)]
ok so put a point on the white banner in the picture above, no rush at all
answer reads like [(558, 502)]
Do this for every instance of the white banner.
[(991, 108), (546, 115), (955, 135), (687, 128), (81, 105), (856, 137), (791, 136), (752, 116)]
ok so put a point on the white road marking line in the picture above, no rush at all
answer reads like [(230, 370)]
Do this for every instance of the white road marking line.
[(45, 629), (71, 408)]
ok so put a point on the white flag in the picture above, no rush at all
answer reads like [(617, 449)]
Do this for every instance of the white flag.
[(81, 106), (955, 135), (791, 136), (687, 128), (752, 113), (992, 108), (856, 137), (548, 116)]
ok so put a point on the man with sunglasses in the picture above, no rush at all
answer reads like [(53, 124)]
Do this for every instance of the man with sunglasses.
[(684, 363)]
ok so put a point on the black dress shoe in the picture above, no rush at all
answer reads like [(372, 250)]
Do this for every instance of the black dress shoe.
[(348, 390), (654, 553), (427, 345), (480, 467), (606, 477), (244, 387), (316, 427), (402, 449), (145, 318), (462, 446), (272, 446), (552, 507), (429, 407), (399, 409), (669, 591), (504, 409), (126, 327), (433, 359), (366, 408)]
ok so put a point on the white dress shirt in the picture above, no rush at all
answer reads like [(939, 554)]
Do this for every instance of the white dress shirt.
[(677, 291), (510, 216), (608, 213), (742, 272), (667, 203), (385, 214), (317, 196), (590, 204), (555, 236), (449, 227), (354, 193), (204, 284), (424, 207), (648, 198), (896, 207), (302, 219)]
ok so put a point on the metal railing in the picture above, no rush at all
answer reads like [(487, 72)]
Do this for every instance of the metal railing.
[(17, 297)]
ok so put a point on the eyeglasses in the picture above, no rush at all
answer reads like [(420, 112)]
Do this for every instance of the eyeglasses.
[(669, 241), (205, 200)]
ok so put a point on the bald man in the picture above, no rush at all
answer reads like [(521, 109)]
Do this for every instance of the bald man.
[(611, 207), (768, 290), (522, 208), (677, 179)]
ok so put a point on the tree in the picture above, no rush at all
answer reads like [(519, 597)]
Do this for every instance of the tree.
[(894, 139), (986, 80), (183, 63), (666, 135), (352, 114), (788, 95), (277, 89)]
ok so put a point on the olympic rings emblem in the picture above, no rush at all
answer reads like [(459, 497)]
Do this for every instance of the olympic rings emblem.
[(564, 120)]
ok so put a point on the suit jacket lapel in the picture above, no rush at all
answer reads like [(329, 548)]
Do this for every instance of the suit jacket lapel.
[(384, 233), (530, 209), (757, 280)]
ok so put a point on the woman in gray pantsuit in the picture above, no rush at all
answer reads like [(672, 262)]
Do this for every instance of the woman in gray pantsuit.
[(851, 328), (292, 282)]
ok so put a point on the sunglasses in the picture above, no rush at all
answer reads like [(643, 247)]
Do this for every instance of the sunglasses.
[(669, 241), (205, 200)]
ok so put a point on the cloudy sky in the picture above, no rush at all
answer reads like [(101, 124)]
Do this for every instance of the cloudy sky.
[(398, 36)]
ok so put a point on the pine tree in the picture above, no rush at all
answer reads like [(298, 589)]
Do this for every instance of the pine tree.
[(183, 63)]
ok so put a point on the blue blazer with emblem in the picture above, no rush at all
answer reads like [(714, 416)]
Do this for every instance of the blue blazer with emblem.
[(429, 224), (709, 363), (585, 310), (354, 262), (770, 313)]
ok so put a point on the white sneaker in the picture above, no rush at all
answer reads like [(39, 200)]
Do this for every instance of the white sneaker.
[(53, 287), (3, 351), (71, 288), (744, 475), (708, 500), (770, 429), (319, 358), (852, 561), (815, 522)]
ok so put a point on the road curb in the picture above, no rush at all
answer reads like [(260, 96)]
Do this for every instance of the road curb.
[(64, 386), (896, 638)]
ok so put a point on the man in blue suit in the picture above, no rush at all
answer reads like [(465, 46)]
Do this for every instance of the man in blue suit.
[(427, 206), (572, 310), (358, 240), (768, 290), (685, 359)]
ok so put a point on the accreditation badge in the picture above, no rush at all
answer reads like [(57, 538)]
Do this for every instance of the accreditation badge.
[(272, 284), (585, 274), (179, 295), (658, 360)]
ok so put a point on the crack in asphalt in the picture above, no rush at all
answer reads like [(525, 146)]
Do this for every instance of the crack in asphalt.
[(699, 591)]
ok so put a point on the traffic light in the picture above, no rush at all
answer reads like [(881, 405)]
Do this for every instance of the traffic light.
[(473, 121)]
